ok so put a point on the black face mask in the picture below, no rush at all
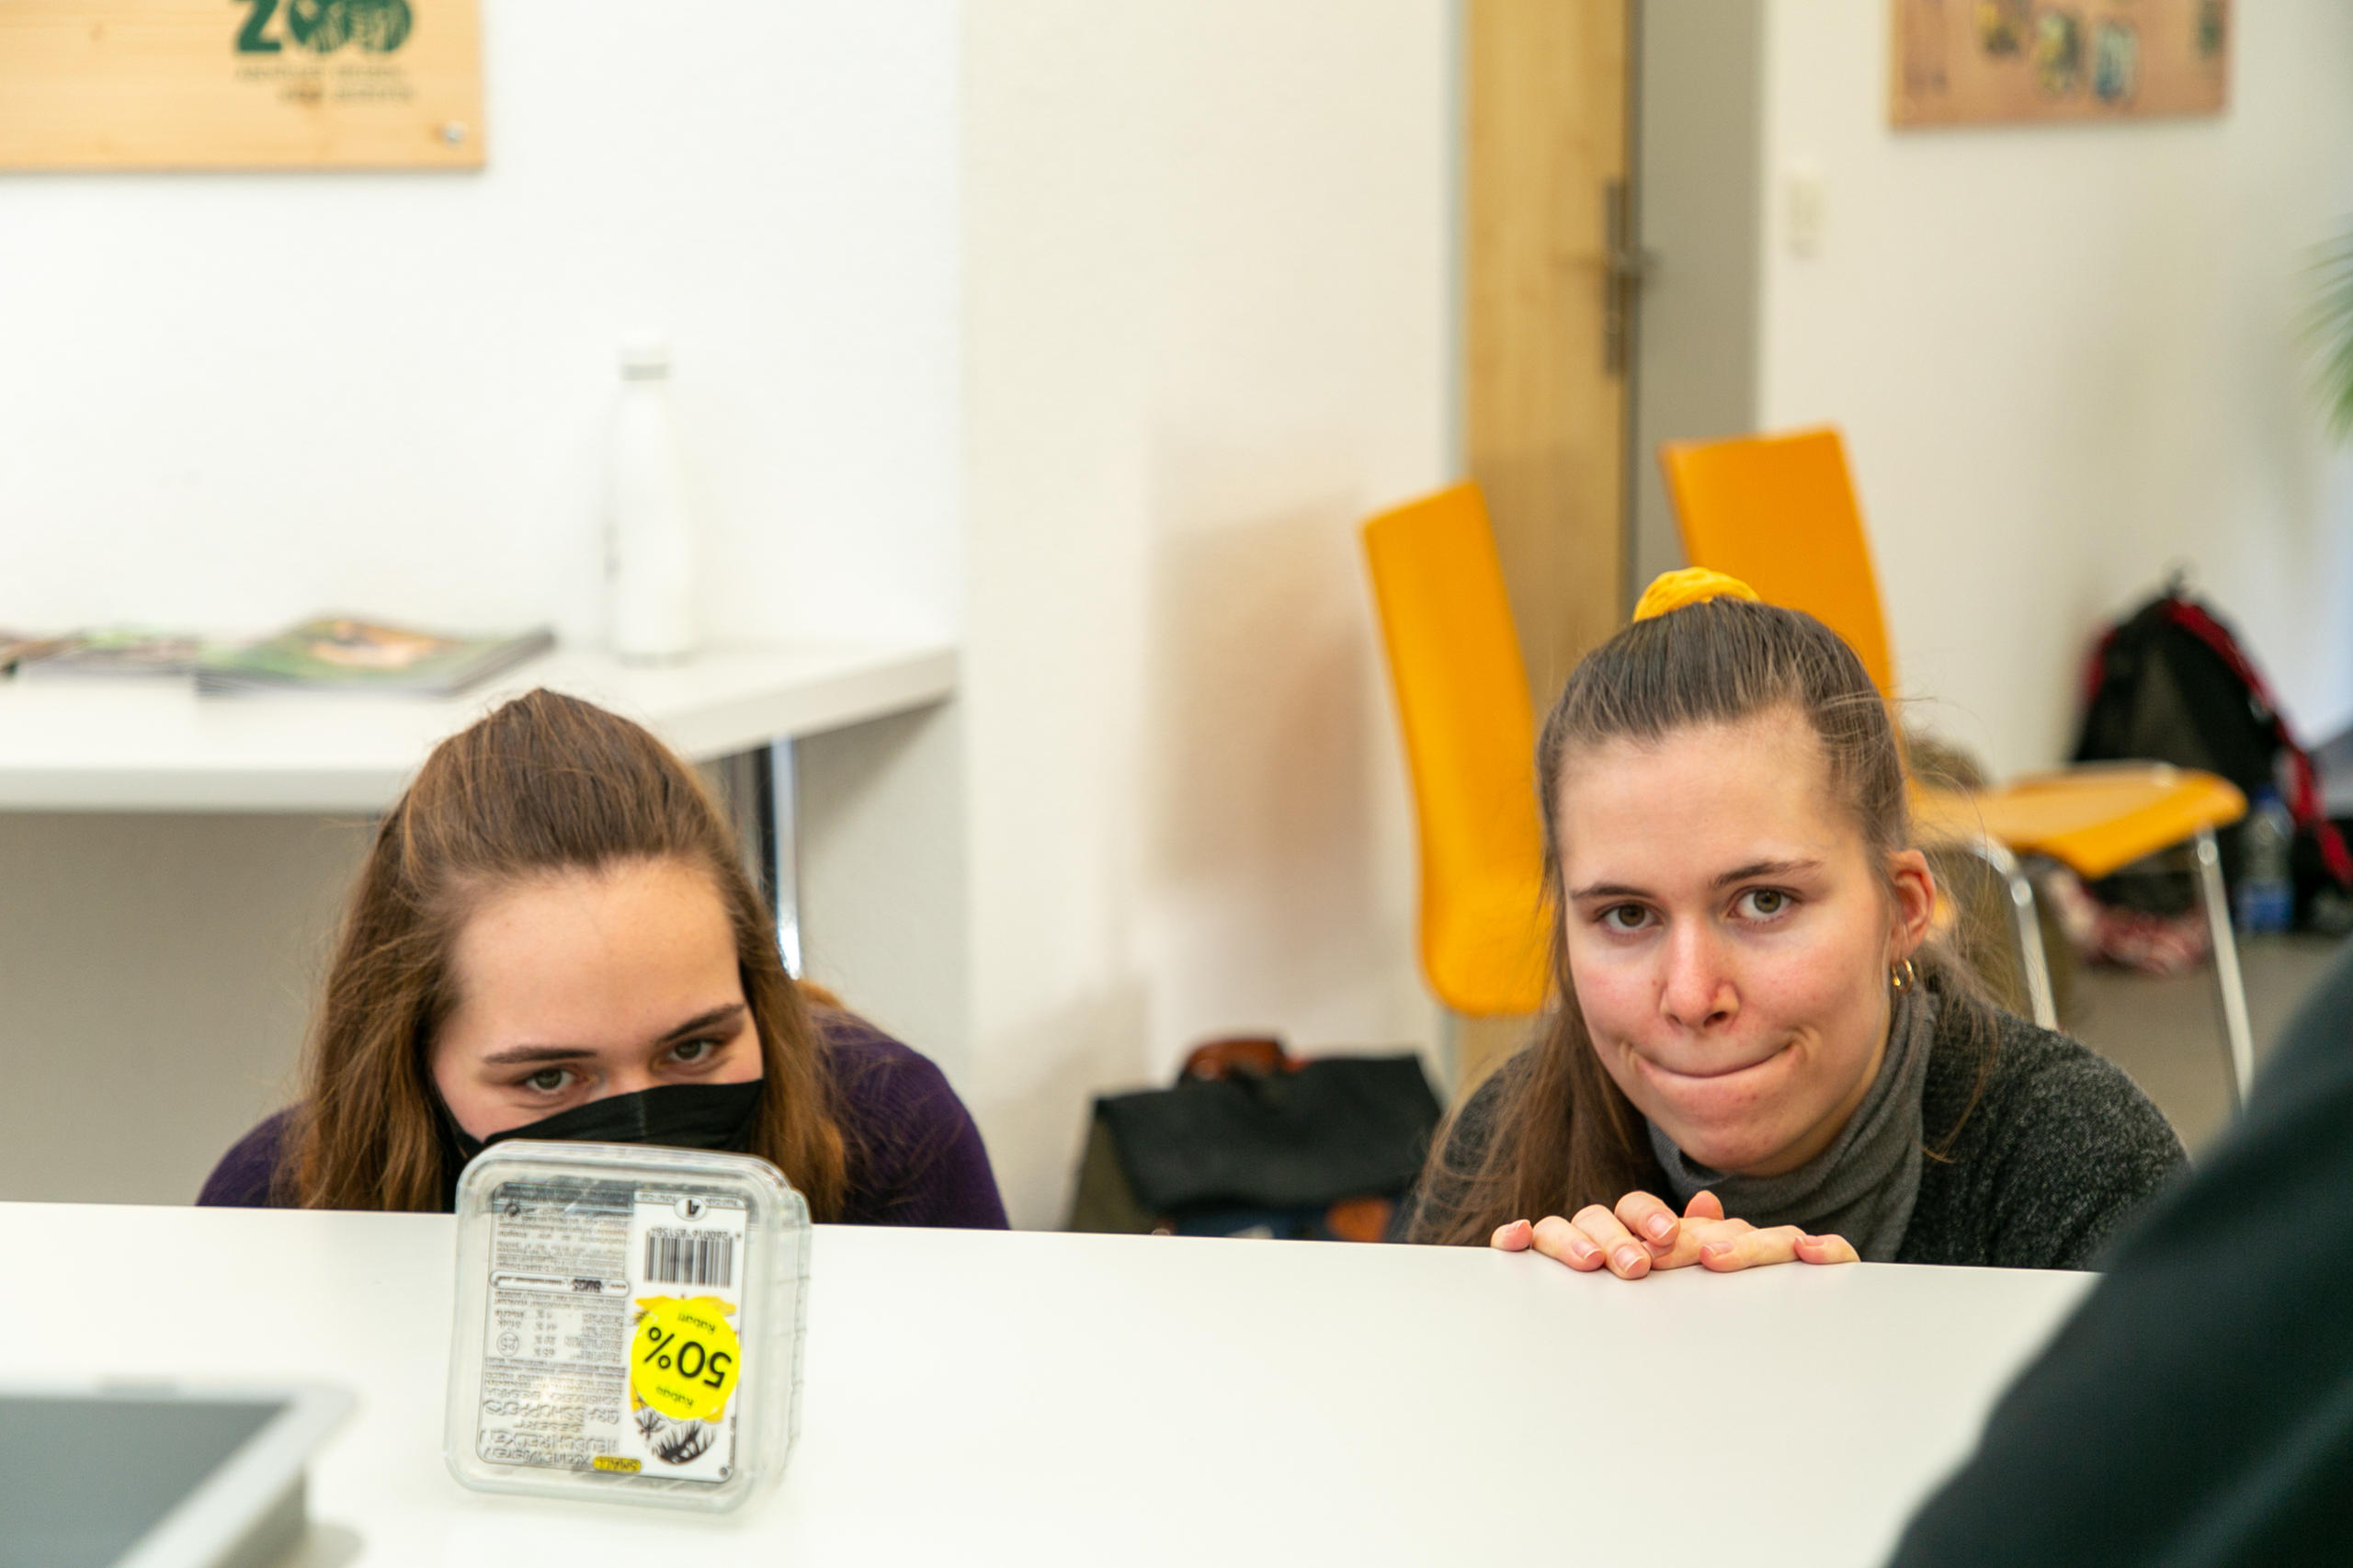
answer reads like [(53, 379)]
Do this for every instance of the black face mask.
[(676, 1115)]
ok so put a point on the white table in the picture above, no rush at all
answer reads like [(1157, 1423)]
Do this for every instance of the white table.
[(69, 744), (1034, 1399), (106, 745)]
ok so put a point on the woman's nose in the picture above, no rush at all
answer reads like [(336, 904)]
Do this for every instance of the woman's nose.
[(629, 1080), (1697, 991)]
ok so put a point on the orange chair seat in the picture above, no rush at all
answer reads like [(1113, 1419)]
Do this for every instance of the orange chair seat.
[(2095, 821)]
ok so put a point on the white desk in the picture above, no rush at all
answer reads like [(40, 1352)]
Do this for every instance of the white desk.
[(103, 746), (1047, 1399), (71, 745)]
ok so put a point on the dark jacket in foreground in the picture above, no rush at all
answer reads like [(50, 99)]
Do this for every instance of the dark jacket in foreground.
[(2057, 1154), (916, 1157), (2197, 1409)]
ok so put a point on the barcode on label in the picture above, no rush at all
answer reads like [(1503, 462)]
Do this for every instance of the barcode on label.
[(704, 1258)]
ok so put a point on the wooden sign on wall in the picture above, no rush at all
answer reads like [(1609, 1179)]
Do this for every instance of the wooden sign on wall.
[(239, 84), (1970, 62)]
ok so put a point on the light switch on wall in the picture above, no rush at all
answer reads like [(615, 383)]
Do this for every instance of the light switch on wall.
[(1802, 197)]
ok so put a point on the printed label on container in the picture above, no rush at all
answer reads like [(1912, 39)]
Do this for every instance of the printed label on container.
[(686, 1278), (613, 1335)]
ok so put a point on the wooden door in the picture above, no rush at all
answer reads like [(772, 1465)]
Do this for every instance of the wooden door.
[(1544, 390)]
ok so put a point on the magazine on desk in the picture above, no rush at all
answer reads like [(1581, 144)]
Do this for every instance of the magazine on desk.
[(21, 647), (347, 654), (135, 652)]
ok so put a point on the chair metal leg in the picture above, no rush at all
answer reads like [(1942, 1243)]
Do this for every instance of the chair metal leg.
[(2036, 962), (2231, 988), (2033, 962)]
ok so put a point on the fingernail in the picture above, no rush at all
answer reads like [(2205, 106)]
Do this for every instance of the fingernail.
[(1717, 1250), (1658, 1225), (1628, 1256), (1582, 1250)]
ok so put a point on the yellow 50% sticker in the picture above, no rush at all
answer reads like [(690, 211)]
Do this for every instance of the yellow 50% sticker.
[(685, 1357)]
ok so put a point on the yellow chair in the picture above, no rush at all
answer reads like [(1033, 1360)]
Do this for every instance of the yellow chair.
[(1780, 513), (1462, 689)]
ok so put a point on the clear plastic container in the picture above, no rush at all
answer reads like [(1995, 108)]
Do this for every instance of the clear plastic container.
[(629, 1326), (2265, 897)]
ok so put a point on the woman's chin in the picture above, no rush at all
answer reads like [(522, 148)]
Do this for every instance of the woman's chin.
[(1720, 1149), (1725, 1122)]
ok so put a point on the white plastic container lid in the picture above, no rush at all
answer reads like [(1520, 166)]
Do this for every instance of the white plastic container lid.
[(629, 1324)]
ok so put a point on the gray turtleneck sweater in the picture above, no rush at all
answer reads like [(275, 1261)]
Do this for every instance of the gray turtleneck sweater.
[(2057, 1155)]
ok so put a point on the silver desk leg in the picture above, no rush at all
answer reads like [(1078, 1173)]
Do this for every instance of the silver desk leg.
[(758, 786), (2231, 987), (783, 851)]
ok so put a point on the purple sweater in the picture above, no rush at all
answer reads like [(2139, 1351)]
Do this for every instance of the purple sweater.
[(916, 1157)]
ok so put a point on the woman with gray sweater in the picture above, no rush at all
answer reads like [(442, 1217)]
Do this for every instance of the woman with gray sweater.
[(1763, 1053)]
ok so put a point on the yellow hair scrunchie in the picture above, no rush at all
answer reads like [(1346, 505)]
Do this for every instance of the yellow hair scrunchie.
[(1692, 586)]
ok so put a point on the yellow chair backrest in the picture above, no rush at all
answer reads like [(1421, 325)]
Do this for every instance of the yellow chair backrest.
[(1779, 513), (1462, 689)]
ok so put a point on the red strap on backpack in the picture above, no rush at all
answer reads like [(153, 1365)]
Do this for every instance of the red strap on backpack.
[(2304, 789)]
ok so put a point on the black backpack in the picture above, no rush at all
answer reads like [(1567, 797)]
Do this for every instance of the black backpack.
[(2172, 684), (1253, 1142)]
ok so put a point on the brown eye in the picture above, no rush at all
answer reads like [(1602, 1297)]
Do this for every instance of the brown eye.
[(1762, 903), (1624, 916), (547, 1080), (694, 1050)]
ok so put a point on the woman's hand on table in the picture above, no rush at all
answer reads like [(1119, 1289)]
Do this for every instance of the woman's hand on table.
[(1643, 1233)]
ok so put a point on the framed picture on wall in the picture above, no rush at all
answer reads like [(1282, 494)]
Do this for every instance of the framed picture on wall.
[(239, 84), (1978, 62)]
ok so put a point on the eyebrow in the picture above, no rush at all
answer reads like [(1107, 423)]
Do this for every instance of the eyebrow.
[(516, 1055), (1754, 871)]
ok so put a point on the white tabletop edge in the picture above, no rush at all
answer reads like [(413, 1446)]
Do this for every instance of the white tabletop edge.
[(160, 747), (982, 1398)]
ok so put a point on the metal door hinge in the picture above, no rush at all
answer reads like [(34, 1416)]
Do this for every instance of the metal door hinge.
[(1625, 266)]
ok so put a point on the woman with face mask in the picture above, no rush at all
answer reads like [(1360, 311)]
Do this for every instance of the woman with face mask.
[(553, 937), (1762, 1055)]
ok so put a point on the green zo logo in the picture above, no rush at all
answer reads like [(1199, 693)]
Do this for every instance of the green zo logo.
[(322, 26)]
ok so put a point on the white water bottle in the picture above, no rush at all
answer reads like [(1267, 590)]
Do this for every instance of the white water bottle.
[(650, 548)]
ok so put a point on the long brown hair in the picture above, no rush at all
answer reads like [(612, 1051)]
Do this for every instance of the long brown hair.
[(1563, 1133), (545, 784)]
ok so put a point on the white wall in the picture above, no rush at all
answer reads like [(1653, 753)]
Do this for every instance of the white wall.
[(2065, 357), (1208, 330), (232, 399), (884, 900), (157, 973)]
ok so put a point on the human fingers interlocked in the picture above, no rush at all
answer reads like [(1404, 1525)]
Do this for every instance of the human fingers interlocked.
[(1642, 1233)]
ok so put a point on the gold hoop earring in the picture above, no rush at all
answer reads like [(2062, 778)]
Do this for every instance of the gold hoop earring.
[(1904, 976)]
